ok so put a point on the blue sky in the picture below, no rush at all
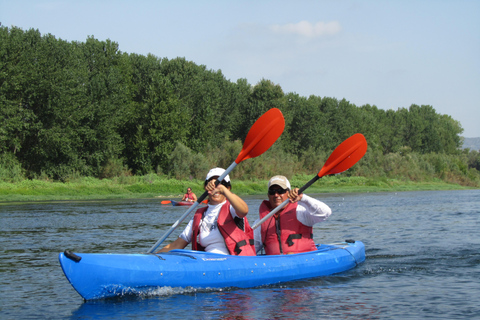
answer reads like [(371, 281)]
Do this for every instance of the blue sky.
[(386, 53)]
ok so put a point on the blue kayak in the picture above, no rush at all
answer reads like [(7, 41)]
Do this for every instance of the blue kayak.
[(96, 276)]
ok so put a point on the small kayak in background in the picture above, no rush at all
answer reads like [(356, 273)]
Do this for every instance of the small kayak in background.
[(181, 203)]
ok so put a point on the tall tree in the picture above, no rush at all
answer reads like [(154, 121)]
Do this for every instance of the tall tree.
[(17, 118), (264, 96)]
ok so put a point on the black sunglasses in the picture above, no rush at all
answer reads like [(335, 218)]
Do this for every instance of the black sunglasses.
[(279, 191), (225, 183)]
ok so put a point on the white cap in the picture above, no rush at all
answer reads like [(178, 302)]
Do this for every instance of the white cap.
[(217, 172), (281, 181)]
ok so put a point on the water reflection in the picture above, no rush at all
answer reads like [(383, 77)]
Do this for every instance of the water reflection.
[(260, 303)]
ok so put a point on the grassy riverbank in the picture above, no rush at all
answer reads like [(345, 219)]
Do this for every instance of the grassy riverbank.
[(153, 186)]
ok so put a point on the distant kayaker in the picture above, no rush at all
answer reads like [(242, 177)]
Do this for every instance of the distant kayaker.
[(189, 196), (290, 229), (221, 227)]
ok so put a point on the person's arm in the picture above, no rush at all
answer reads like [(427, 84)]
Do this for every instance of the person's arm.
[(311, 211), (177, 244), (241, 208), (194, 197), (183, 240), (184, 197)]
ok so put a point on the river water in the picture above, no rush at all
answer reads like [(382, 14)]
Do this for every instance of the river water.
[(423, 261)]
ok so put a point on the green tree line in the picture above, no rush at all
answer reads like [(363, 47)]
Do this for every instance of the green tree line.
[(87, 109)]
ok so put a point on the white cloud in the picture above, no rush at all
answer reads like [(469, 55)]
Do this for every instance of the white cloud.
[(307, 29)]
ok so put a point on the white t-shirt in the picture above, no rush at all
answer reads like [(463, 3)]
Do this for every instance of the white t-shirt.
[(309, 212), (210, 237)]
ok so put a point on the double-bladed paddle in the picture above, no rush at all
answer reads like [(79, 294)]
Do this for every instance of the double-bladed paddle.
[(342, 158), (262, 135)]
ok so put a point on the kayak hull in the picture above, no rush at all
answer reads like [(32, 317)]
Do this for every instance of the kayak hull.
[(181, 203), (186, 203), (97, 276)]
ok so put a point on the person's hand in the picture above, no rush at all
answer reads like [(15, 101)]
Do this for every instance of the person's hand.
[(294, 196), (212, 189)]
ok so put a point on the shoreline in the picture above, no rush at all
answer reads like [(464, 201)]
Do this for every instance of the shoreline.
[(88, 189)]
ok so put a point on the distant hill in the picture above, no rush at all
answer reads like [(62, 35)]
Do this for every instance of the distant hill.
[(471, 143)]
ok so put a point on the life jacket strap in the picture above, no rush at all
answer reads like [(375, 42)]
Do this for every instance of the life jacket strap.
[(295, 236), (241, 244)]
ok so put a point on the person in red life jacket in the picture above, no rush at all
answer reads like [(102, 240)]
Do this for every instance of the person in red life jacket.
[(221, 227), (189, 196), (290, 229)]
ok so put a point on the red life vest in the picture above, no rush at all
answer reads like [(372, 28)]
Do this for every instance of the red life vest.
[(238, 242), (188, 196), (295, 237)]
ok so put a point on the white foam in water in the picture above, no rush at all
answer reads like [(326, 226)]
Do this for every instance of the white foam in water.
[(168, 291)]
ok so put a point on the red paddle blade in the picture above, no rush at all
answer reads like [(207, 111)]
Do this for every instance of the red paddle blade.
[(345, 155), (166, 202), (263, 134)]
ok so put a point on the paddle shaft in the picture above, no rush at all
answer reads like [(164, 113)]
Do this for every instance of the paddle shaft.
[(193, 207)]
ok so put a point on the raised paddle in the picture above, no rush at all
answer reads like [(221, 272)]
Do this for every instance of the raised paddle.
[(262, 135), (342, 158)]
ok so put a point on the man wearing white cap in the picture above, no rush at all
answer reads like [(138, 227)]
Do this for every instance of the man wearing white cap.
[(290, 229), (221, 227)]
